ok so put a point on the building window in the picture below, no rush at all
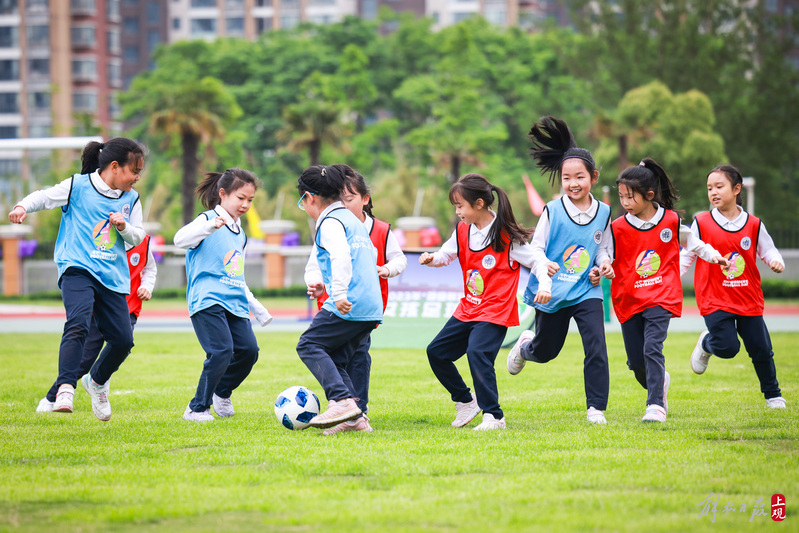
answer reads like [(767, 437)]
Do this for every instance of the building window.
[(36, 6), (263, 3), (84, 69), (113, 106), (85, 7), (39, 101), (131, 53), (131, 3), (369, 9), (289, 21), (114, 43), (39, 68), (203, 3), (153, 13), (83, 36), (9, 70), (263, 24), (203, 27), (130, 26), (38, 36), (460, 17), (320, 19), (9, 36), (10, 167), (234, 26), (112, 9), (9, 7), (175, 24), (39, 130), (153, 40), (9, 132), (9, 102), (114, 74), (84, 102)]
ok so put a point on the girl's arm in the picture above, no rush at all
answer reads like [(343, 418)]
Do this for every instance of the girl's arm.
[(698, 247), (333, 238), (544, 268), (132, 231), (50, 198), (687, 257), (396, 262), (768, 252), (148, 274), (193, 233), (257, 309), (445, 255), (604, 257), (313, 276)]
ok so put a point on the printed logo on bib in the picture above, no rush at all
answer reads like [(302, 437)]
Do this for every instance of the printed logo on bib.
[(598, 236), (489, 261), (234, 263), (134, 259), (104, 235), (126, 210), (648, 263), (746, 243), (474, 282), (737, 265), (576, 259), (666, 235)]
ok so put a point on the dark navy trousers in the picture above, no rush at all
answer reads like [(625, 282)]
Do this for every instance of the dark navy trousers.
[(644, 334), (723, 342), (480, 341), (550, 334), (329, 347), (84, 297), (230, 353)]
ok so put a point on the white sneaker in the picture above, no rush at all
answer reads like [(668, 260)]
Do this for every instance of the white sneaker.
[(489, 422), (465, 412), (666, 383), (45, 405), (101, 407), (776, 403), (63, 399), (595, 416), (515, 361), (654, 413), (699, 357), (192, 416), (223, 406)]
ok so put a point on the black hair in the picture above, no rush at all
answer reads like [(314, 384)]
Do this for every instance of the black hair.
[(649, 176), (473, 187), (735, 178), (327, 182), (553, 143), (357, 185), (230, 180), (96, 156)]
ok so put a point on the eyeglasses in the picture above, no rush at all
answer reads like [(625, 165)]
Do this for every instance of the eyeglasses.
[(299, 202)]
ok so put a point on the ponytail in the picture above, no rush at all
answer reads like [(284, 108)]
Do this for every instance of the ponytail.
[(735, 178), (230, 180), (506, 230), (96, 156), (553, 143), (648, 177)]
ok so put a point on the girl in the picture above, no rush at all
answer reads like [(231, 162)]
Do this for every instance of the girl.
[(571, 237), (219, 299), (346, 258), (390, 262), (647, 291), (489, 246), (100, 213), (142, 282), (730, 299)]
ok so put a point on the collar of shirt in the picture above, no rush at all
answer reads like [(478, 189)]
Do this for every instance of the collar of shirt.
[(646, 224), (368, 222), (728, 224), (576, 214), (102, 187), (326, 210), (478, 237), (222, 212)]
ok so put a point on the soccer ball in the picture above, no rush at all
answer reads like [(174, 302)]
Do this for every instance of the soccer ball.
[(296, 406)]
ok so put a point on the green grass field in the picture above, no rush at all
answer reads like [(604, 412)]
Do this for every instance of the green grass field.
[(148, 470)]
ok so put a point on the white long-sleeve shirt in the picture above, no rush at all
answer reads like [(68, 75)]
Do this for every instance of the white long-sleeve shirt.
[(396, 262), (58, 196), (478, 239), (541, 236), (333, 237), (765, 244), (193, 233), (692, 242), (149, 272)]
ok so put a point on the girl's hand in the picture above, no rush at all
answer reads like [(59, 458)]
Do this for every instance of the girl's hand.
[(777, 267), (118, 221), (607, 270), (219, 222), (542, 297), (17, 215), (144, 294), (718, 260), (382, 271), (343, 306), (316, 290), (552, 268), (425, 258), (594, 277)]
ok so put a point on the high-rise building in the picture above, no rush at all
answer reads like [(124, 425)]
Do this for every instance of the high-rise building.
[(144, 26)]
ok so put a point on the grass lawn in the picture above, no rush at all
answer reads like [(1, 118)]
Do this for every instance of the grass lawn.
[(148, 470)]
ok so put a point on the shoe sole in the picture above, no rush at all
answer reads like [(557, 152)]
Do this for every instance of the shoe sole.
[(330, 422), (62, 409), (472, 417)]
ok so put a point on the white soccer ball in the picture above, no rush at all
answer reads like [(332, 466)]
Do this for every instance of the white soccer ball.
[(296, 406)]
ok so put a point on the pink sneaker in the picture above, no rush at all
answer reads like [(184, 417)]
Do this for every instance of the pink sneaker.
[(64, 399), (336, 413), (359, 424), (465, 412)]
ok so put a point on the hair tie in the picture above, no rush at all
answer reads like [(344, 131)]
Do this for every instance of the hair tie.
[(102, 145), (642, 164), (323, 171)]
